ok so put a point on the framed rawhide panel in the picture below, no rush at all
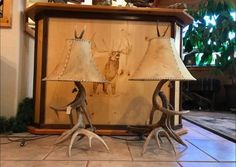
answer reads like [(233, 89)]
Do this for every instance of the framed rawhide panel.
[(119, 39)]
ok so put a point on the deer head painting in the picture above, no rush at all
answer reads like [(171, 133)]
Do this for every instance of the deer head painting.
[(112, 69)]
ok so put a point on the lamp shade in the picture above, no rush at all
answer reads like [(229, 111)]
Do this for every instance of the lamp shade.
[(76, 64), (161, 62)]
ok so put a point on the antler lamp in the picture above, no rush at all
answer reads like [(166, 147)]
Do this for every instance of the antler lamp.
[(162, 63), (77, 66)]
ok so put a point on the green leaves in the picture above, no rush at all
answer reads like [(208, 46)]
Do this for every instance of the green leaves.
[(23, 118), (212, 39)]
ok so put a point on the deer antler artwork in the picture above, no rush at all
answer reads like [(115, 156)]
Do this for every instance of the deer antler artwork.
[(112, 66)]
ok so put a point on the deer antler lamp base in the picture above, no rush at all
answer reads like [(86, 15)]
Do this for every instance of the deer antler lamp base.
[(79, 104), (164, 125), (162, 63)]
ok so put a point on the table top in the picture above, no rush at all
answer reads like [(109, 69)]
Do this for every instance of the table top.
[(179, 14)]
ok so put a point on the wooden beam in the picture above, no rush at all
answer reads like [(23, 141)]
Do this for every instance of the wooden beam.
[(106, 132)]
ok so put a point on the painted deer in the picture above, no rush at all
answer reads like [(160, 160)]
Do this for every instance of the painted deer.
[(111, 67)]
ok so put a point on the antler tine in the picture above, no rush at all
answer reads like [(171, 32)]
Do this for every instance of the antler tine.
[(106, 47), (166, 31), (90, 136), (155, 133), (81, 33), (94, 46), (75, 34), (128, 48), (112, 45), (55, 109), (58, 109), (119, 47), (158, 32), (172, 112), (147, 141), (93, 43)]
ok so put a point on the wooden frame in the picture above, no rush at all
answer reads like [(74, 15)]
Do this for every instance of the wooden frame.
[(46, 17), (29, 24), (5, 20)]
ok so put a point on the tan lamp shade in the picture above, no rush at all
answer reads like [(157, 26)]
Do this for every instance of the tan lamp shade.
[(76, 64), (161, 62)]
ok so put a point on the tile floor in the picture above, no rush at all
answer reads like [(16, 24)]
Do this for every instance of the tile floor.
[(205, 149)]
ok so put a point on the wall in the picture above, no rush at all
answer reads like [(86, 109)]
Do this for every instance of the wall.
[(16, 65)]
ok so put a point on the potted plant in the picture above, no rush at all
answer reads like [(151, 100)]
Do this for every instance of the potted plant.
[(214, 40)]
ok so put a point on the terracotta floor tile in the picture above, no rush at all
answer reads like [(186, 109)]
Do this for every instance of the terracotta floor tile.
[(152, 153), (167, 153), (205, 150), (44, 140), (43, 163), (131, 164), (4, 140), (81, 151), (47, 140), (14, 151)]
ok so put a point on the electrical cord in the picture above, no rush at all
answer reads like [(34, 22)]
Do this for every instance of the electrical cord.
[(138, 138), (5, 143), (23, 139)]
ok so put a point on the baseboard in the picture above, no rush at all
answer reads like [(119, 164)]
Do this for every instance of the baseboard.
[(106, 132)]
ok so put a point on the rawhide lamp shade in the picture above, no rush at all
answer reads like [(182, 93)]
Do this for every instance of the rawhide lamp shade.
[(161, 62), (76, 64)]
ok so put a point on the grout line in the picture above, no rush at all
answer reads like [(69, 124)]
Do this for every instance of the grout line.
[(202, 150), (87, 164), (132, 159), (155, 161), (49, 152), (123, 161), (203, 135), (179, 164), (126, 161), (46, 160), (74, 160), (210, 162), (205, 161)]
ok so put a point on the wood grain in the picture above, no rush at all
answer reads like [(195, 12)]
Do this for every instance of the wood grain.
[(131, 103)]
